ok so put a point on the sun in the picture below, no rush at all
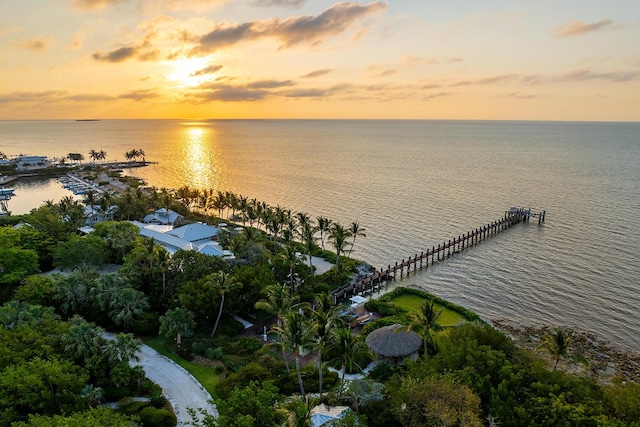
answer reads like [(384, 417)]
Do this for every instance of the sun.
[(188, 72)]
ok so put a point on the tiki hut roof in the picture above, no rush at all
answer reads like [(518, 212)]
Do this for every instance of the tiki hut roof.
[(388, 341)]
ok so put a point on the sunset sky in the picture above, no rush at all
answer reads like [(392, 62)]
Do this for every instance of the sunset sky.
[(401, 59)]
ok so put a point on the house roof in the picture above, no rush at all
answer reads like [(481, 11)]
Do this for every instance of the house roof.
[(195, 232), (161, 235), (391, 341), (162, 216), (323, 414)]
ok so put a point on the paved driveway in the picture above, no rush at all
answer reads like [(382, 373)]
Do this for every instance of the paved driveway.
[(180, 388)]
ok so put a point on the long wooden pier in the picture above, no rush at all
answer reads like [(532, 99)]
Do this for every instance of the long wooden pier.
[(437, 253)]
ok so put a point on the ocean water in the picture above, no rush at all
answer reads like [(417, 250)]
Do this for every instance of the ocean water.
[(412, 185)]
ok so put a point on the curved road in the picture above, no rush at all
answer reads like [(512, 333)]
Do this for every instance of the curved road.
[(180, 388)]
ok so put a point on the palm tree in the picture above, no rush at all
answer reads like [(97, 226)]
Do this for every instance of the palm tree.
[(123, 348), (298, 411), (324, 318), (289, 258), (355, 230), (338, 237), (295, 336), (349, 348), (102, 155), (556, 344), (425, 321), (224, 282), (83, 340), (94, 155), (279, 301), (126, 306), (176, 322), (324, 227), (106, 289)]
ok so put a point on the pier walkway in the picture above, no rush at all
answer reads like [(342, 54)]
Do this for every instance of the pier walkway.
[(438, 253)]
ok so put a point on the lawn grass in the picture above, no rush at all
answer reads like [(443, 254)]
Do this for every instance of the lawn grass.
[(205, 376), (411, 302)]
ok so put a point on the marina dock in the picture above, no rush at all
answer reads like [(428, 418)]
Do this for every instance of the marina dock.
[(373, 281)]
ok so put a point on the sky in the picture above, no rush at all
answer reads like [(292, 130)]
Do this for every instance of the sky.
[(400, 59)]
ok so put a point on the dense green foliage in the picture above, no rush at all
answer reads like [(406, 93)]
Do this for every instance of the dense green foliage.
[(55, 365)]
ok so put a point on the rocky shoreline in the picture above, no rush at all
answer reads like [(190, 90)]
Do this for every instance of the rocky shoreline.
[(604, 361)]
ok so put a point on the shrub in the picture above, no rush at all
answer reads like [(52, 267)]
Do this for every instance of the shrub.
[(152, 417), (158, 401), (147, 325), (383, 308), (242, 378), (130, 407)]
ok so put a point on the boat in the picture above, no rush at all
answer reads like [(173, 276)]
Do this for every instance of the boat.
[(6, 191)]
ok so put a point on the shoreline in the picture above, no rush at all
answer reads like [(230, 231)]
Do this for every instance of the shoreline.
[(606, 361)]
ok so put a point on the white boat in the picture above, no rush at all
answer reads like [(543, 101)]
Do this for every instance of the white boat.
[(6, 191)]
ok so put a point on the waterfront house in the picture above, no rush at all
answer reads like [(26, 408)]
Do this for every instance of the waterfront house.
[(323, 415), (163, 217), (95, 214), (195, 232), (31, 162), (187, 237)]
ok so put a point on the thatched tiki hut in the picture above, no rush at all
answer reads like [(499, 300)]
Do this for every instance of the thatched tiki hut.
[(393, 342)]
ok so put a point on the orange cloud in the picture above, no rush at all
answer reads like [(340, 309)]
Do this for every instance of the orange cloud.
[(37, 43), (292, 31), (578, 28), (96, 4), (317, 73)]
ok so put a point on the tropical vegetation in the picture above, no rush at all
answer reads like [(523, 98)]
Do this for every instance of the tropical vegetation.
[(57, 367)]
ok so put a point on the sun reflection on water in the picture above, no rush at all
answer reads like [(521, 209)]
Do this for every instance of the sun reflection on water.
[(202, 164)]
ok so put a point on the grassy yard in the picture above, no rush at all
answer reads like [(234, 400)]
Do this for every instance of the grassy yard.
[(412, 302), (205, 376)]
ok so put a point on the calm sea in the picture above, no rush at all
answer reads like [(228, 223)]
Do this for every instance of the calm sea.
[(412, 185)]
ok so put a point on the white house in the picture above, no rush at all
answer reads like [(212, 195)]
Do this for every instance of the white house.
[(196, 232), (324, 414), (94, 214), (32, 162), (195, 237), (163, 217)]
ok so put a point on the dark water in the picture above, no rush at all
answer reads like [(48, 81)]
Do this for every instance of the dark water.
[(414, 184)]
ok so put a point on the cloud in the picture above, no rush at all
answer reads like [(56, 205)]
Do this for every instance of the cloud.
[(306, 93), (292, 31), (36, 97), (140, 95), (269, 84), (211, 69), (126, 53), (413, 61), (37, 43), (88, 97), (517, 95), (285, 3), (49, 97), (575, 28), (118, 55), (96, 4), (379, 71), (317, 73), (582, 75), (485, 81), (77, 41), (613, 76), (228, 93), (436, 95)]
